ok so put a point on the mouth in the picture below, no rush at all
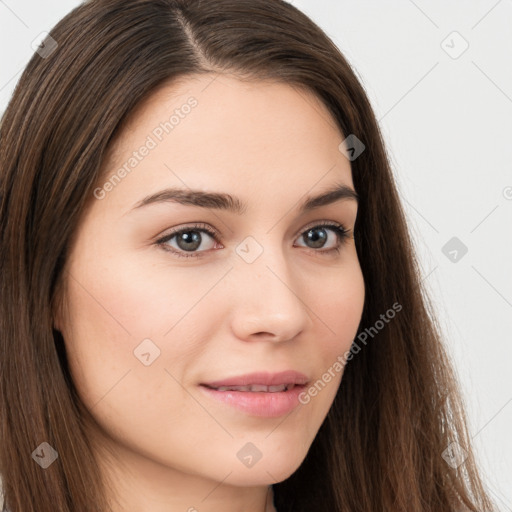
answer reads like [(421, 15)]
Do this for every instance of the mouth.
[(257, 399), (255, 388)]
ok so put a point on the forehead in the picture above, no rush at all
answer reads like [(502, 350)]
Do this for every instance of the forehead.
[(219, 132)]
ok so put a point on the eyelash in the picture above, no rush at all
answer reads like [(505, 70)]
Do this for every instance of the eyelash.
[(341, 232)]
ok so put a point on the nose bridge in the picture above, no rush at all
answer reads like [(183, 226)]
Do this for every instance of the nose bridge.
[(267, 295)]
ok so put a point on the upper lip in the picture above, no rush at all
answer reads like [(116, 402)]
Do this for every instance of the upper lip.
[(263, 378)]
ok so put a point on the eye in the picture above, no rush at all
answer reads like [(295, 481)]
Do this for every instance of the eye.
[(190, 239), (317, 236)]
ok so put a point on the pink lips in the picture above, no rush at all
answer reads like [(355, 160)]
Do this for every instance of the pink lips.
[(264, 378), (270, 403)]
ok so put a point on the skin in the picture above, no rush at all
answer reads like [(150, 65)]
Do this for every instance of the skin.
[(217, 315)]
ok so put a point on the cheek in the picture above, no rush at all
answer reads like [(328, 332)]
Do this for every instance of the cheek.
[(117, 304), (132, 300), (337, 309), (112, 311), (339, 306)]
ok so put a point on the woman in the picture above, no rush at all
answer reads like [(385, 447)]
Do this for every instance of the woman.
[(177, 176)]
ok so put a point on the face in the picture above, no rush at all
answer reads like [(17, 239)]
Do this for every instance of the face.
[(167, 294)]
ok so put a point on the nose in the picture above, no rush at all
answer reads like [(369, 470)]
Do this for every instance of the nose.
[(269, 299)]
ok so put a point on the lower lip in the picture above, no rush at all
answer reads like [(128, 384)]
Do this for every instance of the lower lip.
[(258, 403)]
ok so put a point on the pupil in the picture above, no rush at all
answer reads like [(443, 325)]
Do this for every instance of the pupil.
[(189, 237), (318, 241)]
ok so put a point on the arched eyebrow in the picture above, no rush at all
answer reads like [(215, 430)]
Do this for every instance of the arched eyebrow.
[(227, 202)]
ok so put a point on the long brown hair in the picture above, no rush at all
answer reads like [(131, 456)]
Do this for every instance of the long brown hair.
[(383, 444)]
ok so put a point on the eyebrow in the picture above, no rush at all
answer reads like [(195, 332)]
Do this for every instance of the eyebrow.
[(223, 201)]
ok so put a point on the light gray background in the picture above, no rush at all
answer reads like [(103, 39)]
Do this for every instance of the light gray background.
[(447, 120)]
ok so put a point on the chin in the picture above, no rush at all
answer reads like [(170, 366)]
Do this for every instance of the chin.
[(269, 470)]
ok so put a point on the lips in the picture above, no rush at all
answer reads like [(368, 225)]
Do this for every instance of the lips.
[(260, 382), (263, 394), (257, 388)]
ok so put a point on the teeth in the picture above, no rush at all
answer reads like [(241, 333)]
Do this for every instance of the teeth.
[(258, 388), (273, 389)]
